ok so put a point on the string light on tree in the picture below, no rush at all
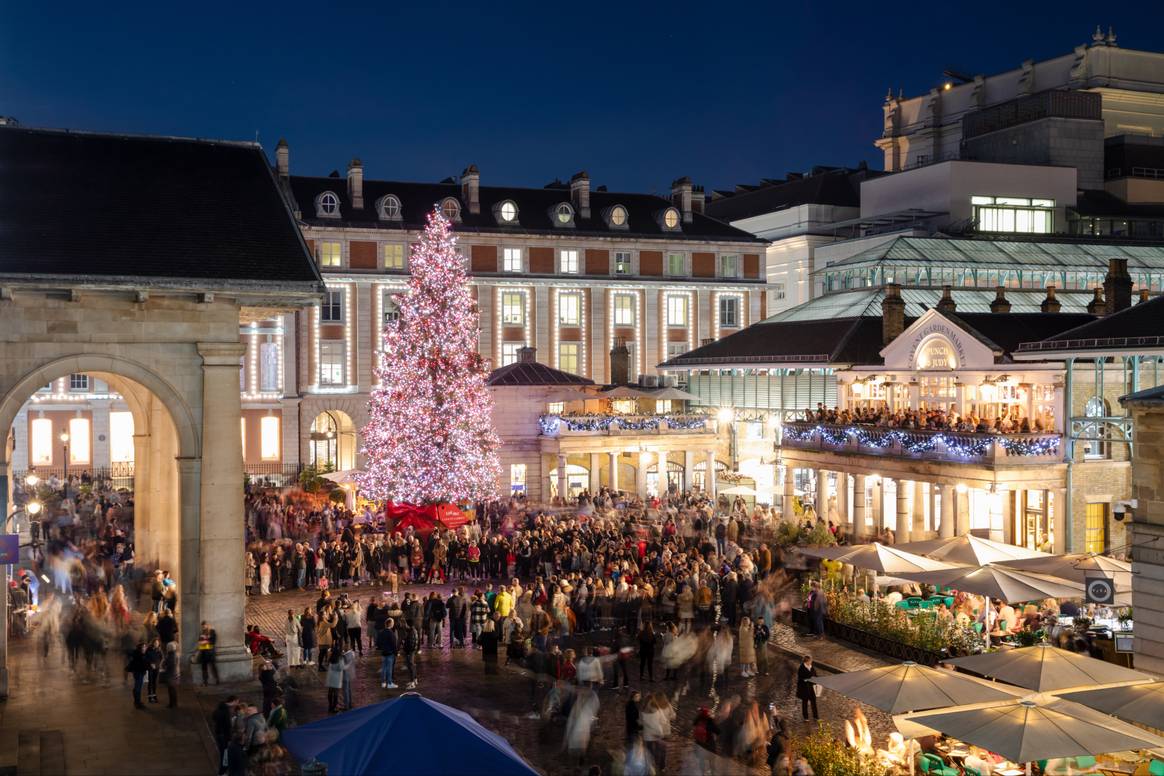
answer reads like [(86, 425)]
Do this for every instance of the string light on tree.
[(430, 436)]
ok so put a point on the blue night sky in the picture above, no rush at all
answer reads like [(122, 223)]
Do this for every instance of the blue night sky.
[(636, 93)]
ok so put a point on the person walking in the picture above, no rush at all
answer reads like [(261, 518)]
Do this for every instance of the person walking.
[(478, 615), (760, 635), (293, 633), (387, 643), (307, 635), (138, 666), (269, 685), (352, 620), (207, 652), (334, 679), (805, 689), (488, 642), (349, 679), (647, 641), (153, 668), (408, 642), (633, 725), (172, 673), (436, 611), (747, 648)]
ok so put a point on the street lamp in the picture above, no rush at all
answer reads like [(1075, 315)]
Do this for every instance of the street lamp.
[(64, 437), (33, 507), (32, 480)]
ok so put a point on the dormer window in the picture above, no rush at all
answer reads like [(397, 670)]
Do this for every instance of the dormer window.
[(389, 208), (451, 209), (616, 217), (506, 212), (563, 215), (671, 219), (327, 205)]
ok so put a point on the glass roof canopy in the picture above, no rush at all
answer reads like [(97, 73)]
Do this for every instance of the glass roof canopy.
[(853, 304)]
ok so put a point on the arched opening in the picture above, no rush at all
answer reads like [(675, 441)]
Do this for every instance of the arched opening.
[(699, 474), (1095, 433), (332, 442), (577, 480), (672, 481)]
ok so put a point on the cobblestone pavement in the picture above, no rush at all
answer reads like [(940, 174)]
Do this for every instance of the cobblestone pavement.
[(506, 702)]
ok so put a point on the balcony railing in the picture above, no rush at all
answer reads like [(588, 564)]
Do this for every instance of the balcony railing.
[(611, 425), (957, 446)]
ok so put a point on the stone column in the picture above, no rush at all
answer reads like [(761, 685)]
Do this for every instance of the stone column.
[(190, 612), (919, 509), (962, 512), (562, 481), (1007, 497), (946, 524), (688, 469), (787, 512), (144, 535), (822, 493), (220, 552), (711, 485), (595, 465), (859, 505), (843, 512), (614, 456), (878, 504), (1060, 542), (641, 474), (904, 518)]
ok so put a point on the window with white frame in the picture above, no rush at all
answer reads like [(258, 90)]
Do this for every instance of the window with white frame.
[(777, 290), (328, 205), (78, 383), (624, 310), (618, 216), (331, 363), (568, 261), (510, 352), (570, 309), (41, 441), (677, 310), (729, 311), (513, 308), (676, 349), (331, 254), (389, 308), (390, 208), (508, 211), (269, 366), (564, 214), (1014, 214), (671, 218), (623, 263), (511, 260), (393, 255), (269, 438), (729, 265), (79, 440), (555, 407), (676, 264), (451, 209), (332, 309), (568, 353)]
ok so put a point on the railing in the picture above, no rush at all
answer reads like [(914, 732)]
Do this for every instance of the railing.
[(603, 425), (275, 474), (921, 443), (119, 475), (1041, 105)]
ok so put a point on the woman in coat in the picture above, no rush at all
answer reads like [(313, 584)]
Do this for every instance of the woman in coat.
[(307, 637), (805, 690), (488, 642), (686, 603), (334, 679), (293, 633), (747, 648), (324, 635)]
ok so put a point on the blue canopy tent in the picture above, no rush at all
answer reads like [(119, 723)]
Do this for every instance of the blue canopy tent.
[(407, 735)]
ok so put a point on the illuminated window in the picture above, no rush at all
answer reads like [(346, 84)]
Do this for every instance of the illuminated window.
[(662, 406), (676, 349), (676, 264), (390, 208), (41, 434), (624, 310), (511, 260), (332, 310), (331, 363), (79, 440), (568, 357), (508, 211), (327, 205), (1095, 434), (555, 407), (330, 254), (625, 406), (729, 265), (242, 434), (1014, 214), (269, 438), (568, 262), (394, 256), (517, 478), (622, 263), (509, 352), (513, 308), (451, 209), (269, 366), (671, 218), (618, 216), (729, 311), (563, 214), (121, 437), (79, 383), (677, 311), (1095, 533), (569, 309)]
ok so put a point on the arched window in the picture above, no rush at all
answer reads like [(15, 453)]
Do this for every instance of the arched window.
[(451, 209), (671, 218), (563, 214), (389, 208), (507, 212), (618, 217), (1096, 434), (936, 354), (327, 205)]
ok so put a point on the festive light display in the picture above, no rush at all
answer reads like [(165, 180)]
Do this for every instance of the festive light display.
[(1031, 445), (551, 425), (430, 436), (961, 445)]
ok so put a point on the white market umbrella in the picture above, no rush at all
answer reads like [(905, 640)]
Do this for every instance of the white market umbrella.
[(912, 687), (971, 550), (1036, 727), (674, 394), (1077, 567), (1142, 704), (625, 392), (340, 477), (880, 558), (1044, 668)]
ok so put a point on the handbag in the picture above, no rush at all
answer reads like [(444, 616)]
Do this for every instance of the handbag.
[(817, 690)]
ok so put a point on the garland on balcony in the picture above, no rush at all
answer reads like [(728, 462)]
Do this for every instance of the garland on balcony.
[(799, 433), (686, 423), (1029, 446), (834, 436), (881, 439), (550, 425)]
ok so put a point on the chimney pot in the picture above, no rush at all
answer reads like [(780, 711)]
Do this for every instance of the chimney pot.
[(283, 159), (356, 183), (1096, 306), (1117, 286), (698, 199), (1143, 295), (1050, 304), (580, 193), (471, 188), (892, 314), (1000, 304), (946, 303), (681, 194)]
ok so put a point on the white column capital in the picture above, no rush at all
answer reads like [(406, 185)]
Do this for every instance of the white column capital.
[(221, 353)]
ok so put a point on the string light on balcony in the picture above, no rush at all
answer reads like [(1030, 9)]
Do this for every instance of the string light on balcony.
[(1031, 446)]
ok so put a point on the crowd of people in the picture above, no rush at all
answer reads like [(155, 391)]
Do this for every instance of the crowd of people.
[(1011, 421)]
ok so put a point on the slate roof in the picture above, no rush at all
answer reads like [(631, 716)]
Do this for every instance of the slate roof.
[(1141, 325), (1007, 331), (825, 341), (830, 186), (534, 206), (87, 204), (533, 373)]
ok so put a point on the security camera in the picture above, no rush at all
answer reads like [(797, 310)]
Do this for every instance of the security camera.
[(1124, 509)]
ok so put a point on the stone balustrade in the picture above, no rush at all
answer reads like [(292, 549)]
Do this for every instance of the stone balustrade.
[(921, 443), (611, 424)]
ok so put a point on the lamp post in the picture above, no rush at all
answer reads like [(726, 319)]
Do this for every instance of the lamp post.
[(64, 437)]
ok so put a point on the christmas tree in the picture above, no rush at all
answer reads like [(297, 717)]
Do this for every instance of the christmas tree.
[(430, 436)]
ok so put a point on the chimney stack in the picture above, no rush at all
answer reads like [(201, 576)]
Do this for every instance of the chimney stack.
[(283, 160), (1143, 295), (681, 191), (698, 199), (1050, 304), (580, 193), (1117, 286), (471, 189), (892, 314), (356, 184), (527, 355), (946, 303), (1096, 306), (619, 362), (1000, 303)]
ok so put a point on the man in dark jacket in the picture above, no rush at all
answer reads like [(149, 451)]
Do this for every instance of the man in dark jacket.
[(386, 642), (436, 611), (138, 665), (458, 608), (408, 642), (223, 722)]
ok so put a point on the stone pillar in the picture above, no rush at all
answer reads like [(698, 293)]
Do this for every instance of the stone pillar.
[(614, 456), (822, 493), (1007, 497), (878, 504), (904, 518), (145, 538), (562, 481), (99, 434), (190, 613), (843, 512), (1060, 517), (787, 511), (641, 464), (859, 505), (946, 525), (919, 509), (710, 479), (595, 465), (220, 552), (962, 512), (688, 469)]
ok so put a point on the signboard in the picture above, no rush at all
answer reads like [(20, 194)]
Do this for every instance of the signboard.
[(1099, 590), (9, 549)]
